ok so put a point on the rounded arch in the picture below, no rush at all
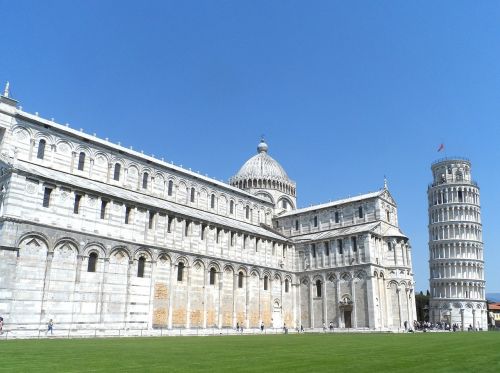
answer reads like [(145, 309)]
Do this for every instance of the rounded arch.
[(182, 259), (255, 272), (198, 264), (263, 194), (103, 155), (142, 251), (70, 145), (163, 255), (228, 267), (214, 264), (242, 269), (277, 276), (317, 277), (68, 240), (120, 253), (34, 235), (42, 135), (94, 247), (288, 201), (266, 273), (18, 128)]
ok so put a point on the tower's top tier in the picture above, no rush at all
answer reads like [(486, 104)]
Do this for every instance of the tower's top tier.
[(452, 170)]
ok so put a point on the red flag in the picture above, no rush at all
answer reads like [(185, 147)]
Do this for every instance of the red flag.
[(441, 147)]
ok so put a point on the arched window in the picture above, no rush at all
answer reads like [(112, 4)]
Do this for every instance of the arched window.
[(212, 201), (116, 175), (92, 262), (284, 203), (231, 207), (240, 280), (81, 161), (192, 194), (247, 212), (41, 149), (212, 276), (287, 286), (266, 282), (140, 266), (145, 178), (180, 271), (315, 221), (360, 212), (318, 288), (170, 187)]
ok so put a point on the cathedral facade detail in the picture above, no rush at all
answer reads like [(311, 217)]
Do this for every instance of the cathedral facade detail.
[(98, 236)]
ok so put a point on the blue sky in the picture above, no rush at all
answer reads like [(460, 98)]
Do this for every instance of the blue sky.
[(345, 92)]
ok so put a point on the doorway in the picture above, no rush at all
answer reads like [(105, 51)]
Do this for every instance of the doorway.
[(347, 319)]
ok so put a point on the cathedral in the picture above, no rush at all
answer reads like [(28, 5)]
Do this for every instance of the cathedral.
[(99, 237)]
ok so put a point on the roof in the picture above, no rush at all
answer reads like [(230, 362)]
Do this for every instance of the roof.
[(374, 227), (261, 166), (494, 306), (139, 198), (329, 234), (334, 203)]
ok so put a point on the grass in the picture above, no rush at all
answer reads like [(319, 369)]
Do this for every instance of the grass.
[(424, 352)]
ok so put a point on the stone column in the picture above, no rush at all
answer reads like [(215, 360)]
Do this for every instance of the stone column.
[(372, 307), (398, 292), (297, 307), (108, 175), (462, 319), (127, 296), (32, 146), (152, 293), (235, 285), (72, 165), (204, 298), (188, 296), (171, 294), (337, 302), (91, 167), (311, 309), (325, 300), (247, 300), (221, 288), (102, 285), (354, 306)]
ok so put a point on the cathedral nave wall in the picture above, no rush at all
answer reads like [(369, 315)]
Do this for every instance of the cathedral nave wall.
[(49, 274)]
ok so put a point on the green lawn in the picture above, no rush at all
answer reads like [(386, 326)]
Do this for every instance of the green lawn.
[(424, 353)]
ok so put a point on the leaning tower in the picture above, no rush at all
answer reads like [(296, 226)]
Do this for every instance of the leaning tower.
[(455, 246)]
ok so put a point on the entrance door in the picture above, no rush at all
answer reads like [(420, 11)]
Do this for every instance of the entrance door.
[(347, 319), (277, 320)]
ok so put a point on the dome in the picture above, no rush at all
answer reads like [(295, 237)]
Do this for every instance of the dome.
[(261, 166)]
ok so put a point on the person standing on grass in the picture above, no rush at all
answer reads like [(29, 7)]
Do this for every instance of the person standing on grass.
[(237, 326), (50, 327), (262, 326), (1, 325)]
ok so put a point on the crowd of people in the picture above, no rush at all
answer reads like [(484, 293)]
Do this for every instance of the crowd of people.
[(443, 326)]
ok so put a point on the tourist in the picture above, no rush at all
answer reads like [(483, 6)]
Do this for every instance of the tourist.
[(324, 326), (331, 326), (237, 326), (262, 326), (301, 328), (1, 325), (50, 327)]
